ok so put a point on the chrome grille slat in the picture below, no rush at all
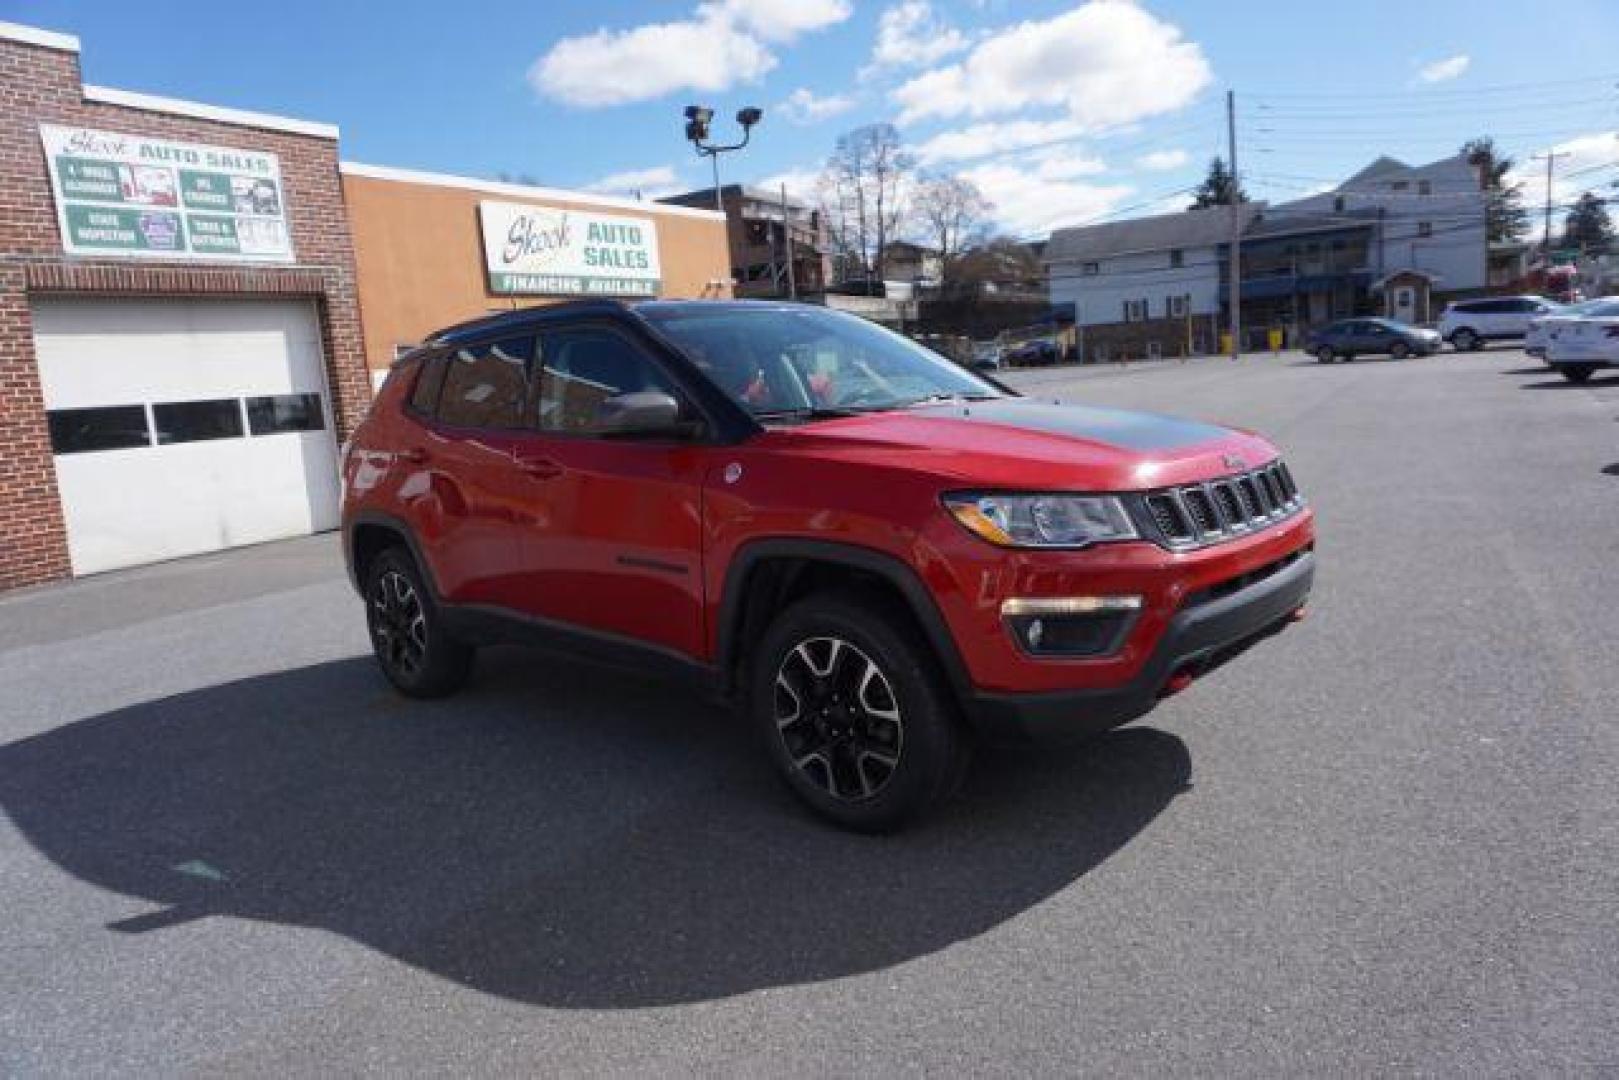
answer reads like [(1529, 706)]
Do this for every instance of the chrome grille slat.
[(1197, 515)]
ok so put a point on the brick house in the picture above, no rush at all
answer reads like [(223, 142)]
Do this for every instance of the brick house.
[(180, 344)]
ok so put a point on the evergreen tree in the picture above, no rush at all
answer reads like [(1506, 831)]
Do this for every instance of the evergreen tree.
[(1217, 187), (1588, 228), (1505, 218)]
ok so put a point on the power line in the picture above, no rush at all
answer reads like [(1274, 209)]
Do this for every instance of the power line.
[(1497, 88)]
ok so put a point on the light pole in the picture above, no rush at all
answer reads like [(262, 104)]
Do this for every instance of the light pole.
[(697, 121)]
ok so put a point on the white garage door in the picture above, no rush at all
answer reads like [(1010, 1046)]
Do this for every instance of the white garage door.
[(183, 426)]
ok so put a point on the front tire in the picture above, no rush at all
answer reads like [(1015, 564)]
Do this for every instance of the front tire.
[(1325, 354), (1400, 350), (1465, 340), (855, 714), (408, 637), (1576, 373)]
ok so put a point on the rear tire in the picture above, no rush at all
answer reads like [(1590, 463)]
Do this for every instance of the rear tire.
[(408, 637), (855, 715), (1576, 373), (1465, 340), (1400, 350), (1325, 354)]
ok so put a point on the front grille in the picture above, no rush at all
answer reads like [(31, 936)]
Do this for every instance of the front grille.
[(1193, 515)]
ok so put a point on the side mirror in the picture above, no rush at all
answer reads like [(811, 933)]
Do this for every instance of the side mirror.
[(644, 413)]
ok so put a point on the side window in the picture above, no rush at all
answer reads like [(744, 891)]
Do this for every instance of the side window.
[(581, 368), (485, 386), (429, 379)]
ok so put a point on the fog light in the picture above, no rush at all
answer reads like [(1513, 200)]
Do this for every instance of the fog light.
[(1034, 633), (1072, 626)]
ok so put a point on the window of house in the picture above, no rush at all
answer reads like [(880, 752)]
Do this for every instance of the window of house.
[(113, 427), (581, 368), (1176, 307), (1424, 228), (1338, 204), (1399, 185), (1424, 187), (1135, 310), (1177, 258), (486, 385), (1090, 269)]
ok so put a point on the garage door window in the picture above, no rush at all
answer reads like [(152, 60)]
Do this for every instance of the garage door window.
[(197, 421), (284, 412), (116, 427)]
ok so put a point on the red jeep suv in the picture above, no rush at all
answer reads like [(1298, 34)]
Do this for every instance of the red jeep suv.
[(879, 556)]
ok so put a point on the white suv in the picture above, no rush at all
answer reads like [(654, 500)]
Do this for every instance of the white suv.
[(1468, 324)]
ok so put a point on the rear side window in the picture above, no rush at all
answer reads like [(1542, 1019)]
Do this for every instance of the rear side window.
[(486, 386), (1473, 307), (424, 398)]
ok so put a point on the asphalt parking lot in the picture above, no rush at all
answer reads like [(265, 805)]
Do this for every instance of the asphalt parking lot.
[(1387, 840)]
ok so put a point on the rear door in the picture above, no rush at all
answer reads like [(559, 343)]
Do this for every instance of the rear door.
[(460, 471), (614, 538)]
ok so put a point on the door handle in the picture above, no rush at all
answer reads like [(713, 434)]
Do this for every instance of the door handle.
[(416, 455), (539, 468)]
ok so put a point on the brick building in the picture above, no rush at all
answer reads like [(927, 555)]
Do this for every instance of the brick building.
[(180, 344)]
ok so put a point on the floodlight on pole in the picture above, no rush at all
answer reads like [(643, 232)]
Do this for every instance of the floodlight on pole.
[(698, 119)]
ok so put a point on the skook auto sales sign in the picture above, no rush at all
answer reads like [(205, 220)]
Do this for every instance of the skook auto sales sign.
[(549, 251), (153, 198)]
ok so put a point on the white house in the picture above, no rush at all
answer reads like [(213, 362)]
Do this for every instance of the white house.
[(1145, 283)]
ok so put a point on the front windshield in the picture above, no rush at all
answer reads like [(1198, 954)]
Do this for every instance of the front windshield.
[(781, 361)]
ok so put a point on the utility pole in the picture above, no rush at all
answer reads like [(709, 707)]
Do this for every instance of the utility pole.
[(1550, 159), (1234, 291), (787, 238)]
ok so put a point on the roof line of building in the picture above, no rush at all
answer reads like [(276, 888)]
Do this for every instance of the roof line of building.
[(133, 99), (33, 35), (520, 191)]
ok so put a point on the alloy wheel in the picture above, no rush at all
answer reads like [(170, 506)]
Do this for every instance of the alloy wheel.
[(398, 623), (838, 718)]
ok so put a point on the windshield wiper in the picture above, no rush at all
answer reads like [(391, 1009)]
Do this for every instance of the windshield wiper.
[(943, 399), (808, 412)]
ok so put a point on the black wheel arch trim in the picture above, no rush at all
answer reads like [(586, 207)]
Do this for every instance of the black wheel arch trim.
[(889, 568), (397, 526)]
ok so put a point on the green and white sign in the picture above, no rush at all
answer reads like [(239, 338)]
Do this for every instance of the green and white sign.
[(547, 251), (152, 198)]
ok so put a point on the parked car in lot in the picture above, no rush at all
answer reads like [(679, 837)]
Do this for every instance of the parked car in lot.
[(1033, 354), (876, 555), (986, 356), (1579, 347), (1349, 338), (1544, 328), (1470, 324)]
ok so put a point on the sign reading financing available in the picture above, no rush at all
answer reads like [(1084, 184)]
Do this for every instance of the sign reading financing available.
[(152, 198), (545, 251)]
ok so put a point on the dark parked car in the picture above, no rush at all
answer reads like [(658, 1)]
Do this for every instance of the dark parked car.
[(1033, 354), (1348, 338)]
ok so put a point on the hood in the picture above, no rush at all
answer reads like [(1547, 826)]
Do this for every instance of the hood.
[(1027, 443)]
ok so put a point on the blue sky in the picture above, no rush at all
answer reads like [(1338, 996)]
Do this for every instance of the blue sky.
[(1062, 112)]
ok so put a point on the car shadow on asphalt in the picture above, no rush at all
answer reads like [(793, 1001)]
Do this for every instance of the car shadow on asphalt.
[(1596, 382), (548, 836)]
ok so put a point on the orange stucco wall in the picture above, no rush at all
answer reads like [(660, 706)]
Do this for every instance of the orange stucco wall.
[(419, 257)]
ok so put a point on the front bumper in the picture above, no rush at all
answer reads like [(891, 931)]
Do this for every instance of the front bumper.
[(1200, 637)]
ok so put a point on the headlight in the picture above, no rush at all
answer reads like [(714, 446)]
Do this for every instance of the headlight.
[(1063, 521)]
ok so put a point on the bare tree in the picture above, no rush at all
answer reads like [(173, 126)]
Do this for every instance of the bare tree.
[(863, 191), (953, 215)]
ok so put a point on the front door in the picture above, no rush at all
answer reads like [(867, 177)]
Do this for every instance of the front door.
[(615, 540), (1405, 304)]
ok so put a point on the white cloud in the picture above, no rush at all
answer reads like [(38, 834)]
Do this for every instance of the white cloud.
[(651, 183), (723, 43), (984, 140), (1163, 160), (1585, 152), (801, 183), (1030, 201), (1062, 163), (1107, 62), (910, 34), (803, 106), (1446, 69)]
